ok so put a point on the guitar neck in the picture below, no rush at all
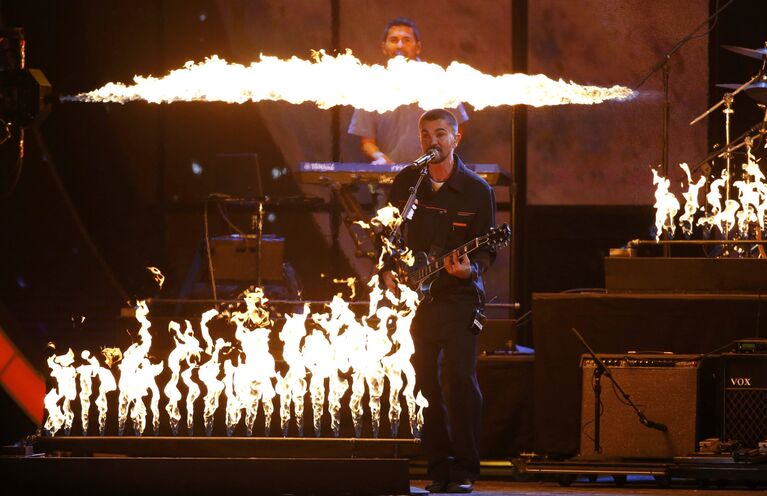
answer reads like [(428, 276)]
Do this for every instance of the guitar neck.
[(432, 267)]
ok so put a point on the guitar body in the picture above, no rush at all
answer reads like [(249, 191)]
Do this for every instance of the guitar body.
[(423, 287), (424, 272)]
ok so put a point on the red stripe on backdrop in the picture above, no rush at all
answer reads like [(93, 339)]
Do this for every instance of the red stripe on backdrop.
[(22, 382)]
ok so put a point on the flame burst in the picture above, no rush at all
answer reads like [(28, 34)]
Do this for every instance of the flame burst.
[(86, 372), (743, 215), (343, 80), (107, 384), (158, 277), (666, 206), (382, 225), (65, 392), (691, 204), (137, 378), (350, 282)]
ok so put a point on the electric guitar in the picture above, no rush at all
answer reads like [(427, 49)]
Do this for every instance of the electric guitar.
[(423, 273)]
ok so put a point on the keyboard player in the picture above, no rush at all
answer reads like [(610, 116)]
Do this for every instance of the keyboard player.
[(393, 137)]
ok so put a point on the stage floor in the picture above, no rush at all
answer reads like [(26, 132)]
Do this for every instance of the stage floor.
[(603, 486)]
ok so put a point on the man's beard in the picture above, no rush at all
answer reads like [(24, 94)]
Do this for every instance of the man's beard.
[(440, 155)]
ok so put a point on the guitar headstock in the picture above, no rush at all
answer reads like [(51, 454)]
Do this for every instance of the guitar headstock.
[(499, 236)]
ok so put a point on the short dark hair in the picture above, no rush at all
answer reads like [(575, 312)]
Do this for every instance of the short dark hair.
[(402, 21), (437, 114)]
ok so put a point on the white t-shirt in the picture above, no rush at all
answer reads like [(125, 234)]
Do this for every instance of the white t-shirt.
[(396, 132)]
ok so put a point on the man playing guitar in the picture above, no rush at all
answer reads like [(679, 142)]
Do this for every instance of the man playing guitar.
[(452, 208)]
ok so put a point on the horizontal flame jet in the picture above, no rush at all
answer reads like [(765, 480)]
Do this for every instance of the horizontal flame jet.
[(328, 81)]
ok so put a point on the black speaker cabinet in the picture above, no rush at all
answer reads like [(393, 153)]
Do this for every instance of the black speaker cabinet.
[(744, 393), (235, 258), (663, 386)]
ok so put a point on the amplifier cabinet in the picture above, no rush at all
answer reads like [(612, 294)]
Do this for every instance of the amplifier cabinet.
[(664, 387), (744, 393), (235, 258)]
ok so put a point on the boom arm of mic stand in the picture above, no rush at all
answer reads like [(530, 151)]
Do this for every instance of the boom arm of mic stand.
[(665, 59), (732, 94)]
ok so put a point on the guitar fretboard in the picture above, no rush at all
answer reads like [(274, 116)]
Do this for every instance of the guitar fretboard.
[(422, 273)]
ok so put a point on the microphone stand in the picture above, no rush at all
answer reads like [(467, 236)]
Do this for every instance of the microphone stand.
[(422, 166), (409, 209), (600, 370)]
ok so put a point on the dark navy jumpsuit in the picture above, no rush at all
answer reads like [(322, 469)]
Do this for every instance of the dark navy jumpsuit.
[(445, 357)]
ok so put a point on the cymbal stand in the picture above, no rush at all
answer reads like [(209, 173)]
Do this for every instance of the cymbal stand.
[(728, 111), (727, 101), (664, 156)]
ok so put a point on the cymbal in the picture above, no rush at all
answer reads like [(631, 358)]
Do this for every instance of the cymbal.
[(757, 91), (754, 53)]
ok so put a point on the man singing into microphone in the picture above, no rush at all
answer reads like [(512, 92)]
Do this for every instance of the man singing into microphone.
[(454, 206)]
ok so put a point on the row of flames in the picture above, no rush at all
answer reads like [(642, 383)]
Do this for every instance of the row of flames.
[(328, 80), (321, 350), (338, 345), (741, 215)]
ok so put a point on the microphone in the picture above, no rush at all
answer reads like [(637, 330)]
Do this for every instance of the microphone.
[(427, 157), (655, 425)]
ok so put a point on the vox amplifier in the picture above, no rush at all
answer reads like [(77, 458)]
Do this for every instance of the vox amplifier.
[(744, 393)]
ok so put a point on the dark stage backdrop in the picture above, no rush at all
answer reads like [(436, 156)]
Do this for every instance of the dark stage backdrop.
[(601, 155)]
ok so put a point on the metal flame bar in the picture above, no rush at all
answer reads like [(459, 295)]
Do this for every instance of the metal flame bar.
[(647, 242), (231, 447), (361, 303)]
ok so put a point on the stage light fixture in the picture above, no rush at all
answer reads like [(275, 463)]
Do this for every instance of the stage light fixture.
[(25, 94)]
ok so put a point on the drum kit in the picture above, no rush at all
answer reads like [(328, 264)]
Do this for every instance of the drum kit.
[(756, 89)]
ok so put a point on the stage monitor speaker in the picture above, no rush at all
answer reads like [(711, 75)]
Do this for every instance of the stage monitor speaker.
[(235, 258), (744, 389), (663, 386)]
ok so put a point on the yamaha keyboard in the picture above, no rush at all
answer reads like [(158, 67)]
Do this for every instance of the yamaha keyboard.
[(352, 172)]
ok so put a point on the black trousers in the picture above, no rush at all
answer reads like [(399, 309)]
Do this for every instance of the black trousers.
[(445, 362)]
